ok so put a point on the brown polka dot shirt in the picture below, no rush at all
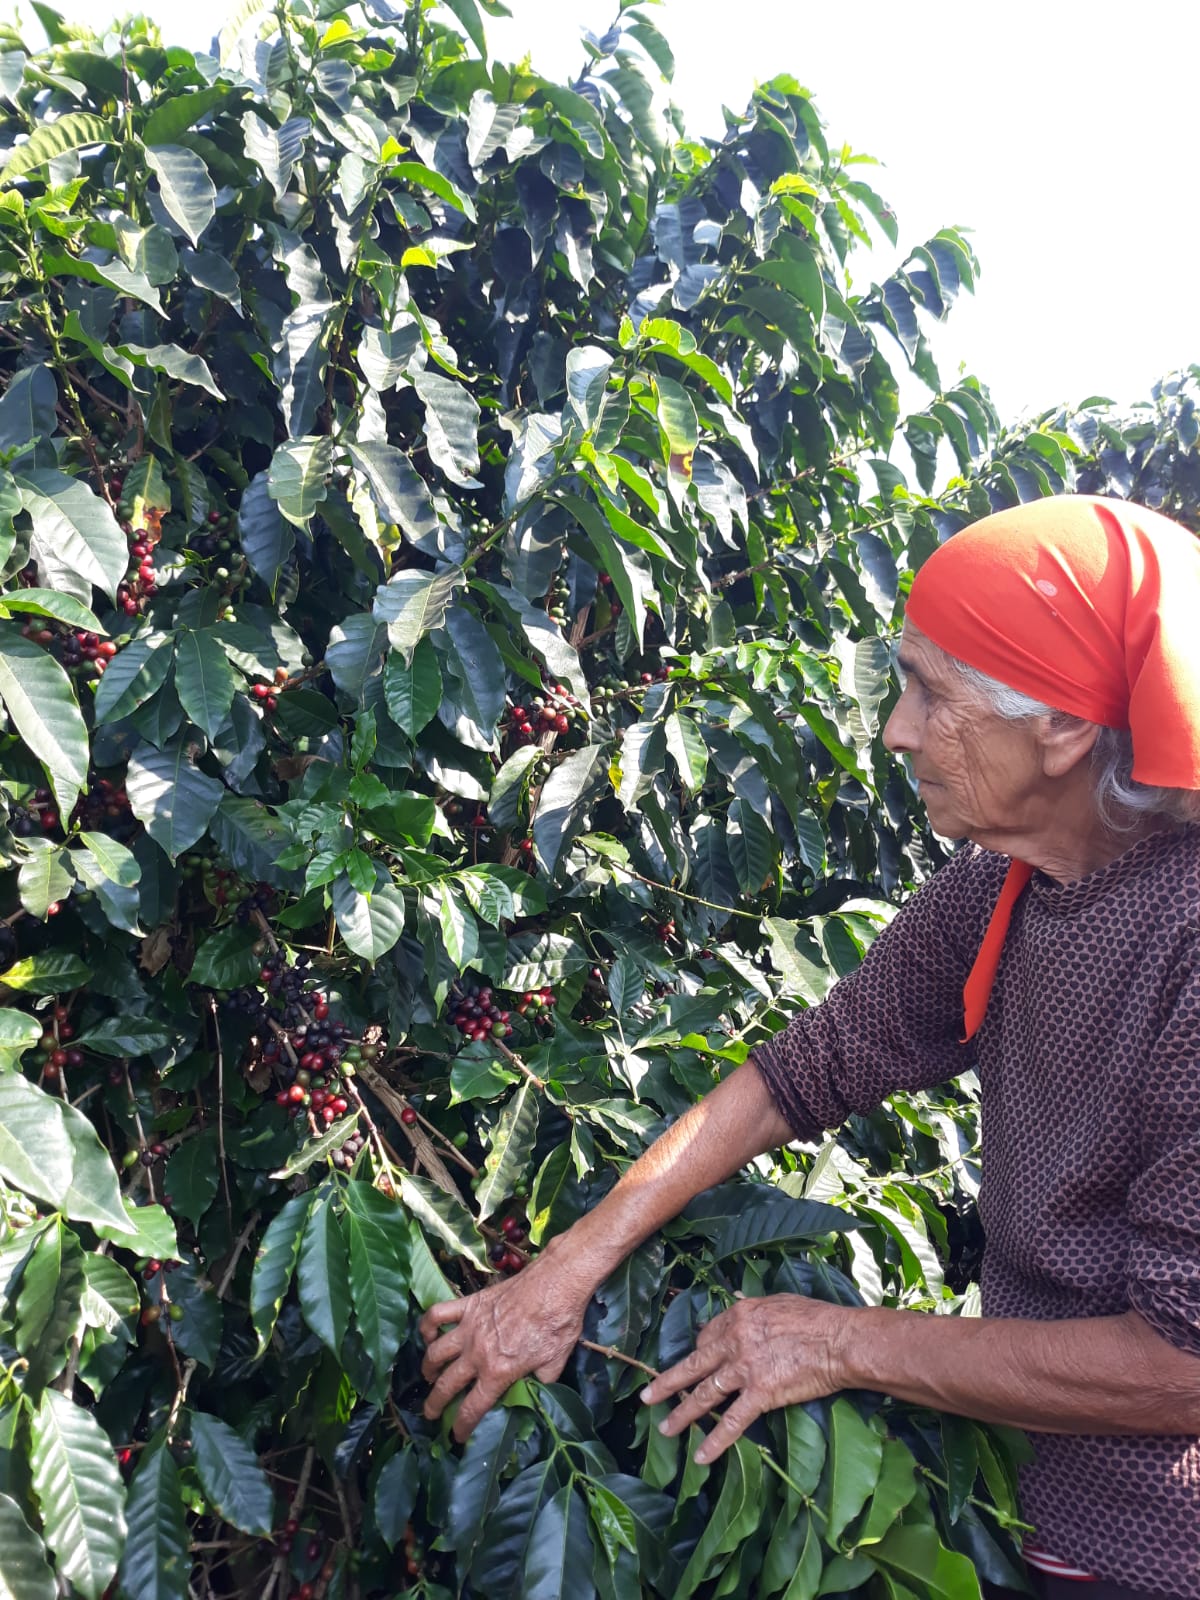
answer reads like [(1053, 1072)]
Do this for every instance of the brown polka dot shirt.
[(1089, 1065)]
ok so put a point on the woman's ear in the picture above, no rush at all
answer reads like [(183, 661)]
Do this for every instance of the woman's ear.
[(1065, 741)]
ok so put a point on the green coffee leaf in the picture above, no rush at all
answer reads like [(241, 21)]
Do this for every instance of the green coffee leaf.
[(234, 1483), (314, 1150), (445, 1216), (79, 1493), (267, 538), (376, 1234), (25, 1574), (226, 958), (36, 1153), (46, 603), (37, 694), (204, 680), (18, 1032), (511, 1149), (916, 1558), (155, 1564), (413, 688), (561, 1554), (44, 880), (193, 1175), (324, 1274), (133, 676), (412, 604), (75, 526), (369, 923), (74, 131), (564, 802), (275, 1264), (50, 1304), (855, 1458), (396, 1495), (187, 190), (734, 1517), (171, 796)]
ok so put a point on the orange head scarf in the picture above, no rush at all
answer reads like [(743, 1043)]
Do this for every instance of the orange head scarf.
[(1091, 606)]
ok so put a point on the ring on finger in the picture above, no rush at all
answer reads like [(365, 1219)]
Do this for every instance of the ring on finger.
[(719, 1385)]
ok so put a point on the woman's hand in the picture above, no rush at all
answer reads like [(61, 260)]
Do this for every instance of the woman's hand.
[(528, 1323), (757, 1356)]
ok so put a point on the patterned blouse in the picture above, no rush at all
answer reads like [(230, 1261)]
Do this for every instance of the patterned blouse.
[(1089, 1065)]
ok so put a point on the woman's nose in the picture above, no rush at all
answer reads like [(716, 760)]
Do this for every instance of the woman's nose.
[(900, 733)]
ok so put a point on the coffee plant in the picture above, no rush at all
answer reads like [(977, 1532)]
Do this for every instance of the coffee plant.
[(1150, 455), (449, 565)]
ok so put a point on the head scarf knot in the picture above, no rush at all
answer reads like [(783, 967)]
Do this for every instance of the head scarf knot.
[(1092, 607)]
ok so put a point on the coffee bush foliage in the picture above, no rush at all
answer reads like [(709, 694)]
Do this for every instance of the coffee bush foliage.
[(450, 549)]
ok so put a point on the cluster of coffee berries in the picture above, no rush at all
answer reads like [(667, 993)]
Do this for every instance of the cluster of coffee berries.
[(665, 931), (556, 600), (346, 1155), (475, 1014), (595, 996), (314, 1550), (504, 1254), (55, 1056), (139, 584), (80, 652), (152, 1312), (613, 687), (267, 694), (105, 808), (43, 818), (606, 585), (215, 538), (288, 991), (317, 1080), (556, 711), (222, 887), (287, 985), (537, 1003)]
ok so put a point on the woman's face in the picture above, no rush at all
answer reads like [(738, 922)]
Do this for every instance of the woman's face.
[(980, 776)]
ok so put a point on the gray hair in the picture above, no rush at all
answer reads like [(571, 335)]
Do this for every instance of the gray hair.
[(1121, 801)]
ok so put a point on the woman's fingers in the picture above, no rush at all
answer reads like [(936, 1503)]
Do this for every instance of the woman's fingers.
[(444, 1348), (683, 1375), (709, 1395), (477, 1403), (453, 1380), (443, 1315), (732, 1425)]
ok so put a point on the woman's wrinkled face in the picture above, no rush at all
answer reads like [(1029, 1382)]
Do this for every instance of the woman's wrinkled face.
[(980, 775)]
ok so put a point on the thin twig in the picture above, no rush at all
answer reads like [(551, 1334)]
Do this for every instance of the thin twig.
[(696, 899), (279, 1565), (515, 1060), (348, 1530), (216, 1024), (148, 1176), (611, 1353), (222, 1290), (423, 1147)]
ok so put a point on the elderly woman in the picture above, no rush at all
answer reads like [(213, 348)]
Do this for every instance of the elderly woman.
[(1051, 715)]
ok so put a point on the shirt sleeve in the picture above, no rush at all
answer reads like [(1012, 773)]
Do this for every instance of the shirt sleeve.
[(1164, 1199), (896, 1022)]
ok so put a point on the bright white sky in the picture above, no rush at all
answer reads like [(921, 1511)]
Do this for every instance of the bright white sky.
[(1062, 133)]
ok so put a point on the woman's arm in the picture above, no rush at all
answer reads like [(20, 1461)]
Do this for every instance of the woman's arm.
[(892, 1024), (1109, 1375), (531, 1323)]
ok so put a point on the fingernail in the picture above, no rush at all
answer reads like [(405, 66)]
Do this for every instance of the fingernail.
[(644, 1397), (700, 1458), (663, 1426)]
